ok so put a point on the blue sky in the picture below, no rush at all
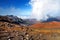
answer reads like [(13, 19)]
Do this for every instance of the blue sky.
[(14, 3), (38, 9), (15, 7)]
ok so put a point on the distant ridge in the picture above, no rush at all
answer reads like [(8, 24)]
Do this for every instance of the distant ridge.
[(16, 20), (50, 19), (11, 19)]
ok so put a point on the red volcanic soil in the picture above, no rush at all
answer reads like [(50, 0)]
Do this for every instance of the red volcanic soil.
[(53, 24)]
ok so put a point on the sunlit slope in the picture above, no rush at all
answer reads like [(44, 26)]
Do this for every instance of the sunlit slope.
[(39, 27), (53, 24)]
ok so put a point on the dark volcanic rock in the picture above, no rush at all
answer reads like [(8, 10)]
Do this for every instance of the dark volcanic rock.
[(12, 19)]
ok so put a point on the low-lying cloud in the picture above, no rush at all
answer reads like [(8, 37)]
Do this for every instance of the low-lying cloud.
[(42, 8)]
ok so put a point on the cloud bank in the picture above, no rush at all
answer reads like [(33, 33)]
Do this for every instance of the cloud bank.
[(42, 8)]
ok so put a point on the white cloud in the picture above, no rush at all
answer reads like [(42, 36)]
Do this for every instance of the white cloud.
[(40, 8), (24, 17)]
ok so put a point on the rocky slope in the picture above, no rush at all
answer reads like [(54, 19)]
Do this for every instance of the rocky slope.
[(11, 19), (10, 31), (13, 30)]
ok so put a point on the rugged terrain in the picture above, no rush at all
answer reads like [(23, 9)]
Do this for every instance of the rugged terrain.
[(12, 30)]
